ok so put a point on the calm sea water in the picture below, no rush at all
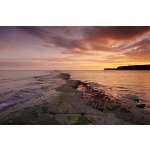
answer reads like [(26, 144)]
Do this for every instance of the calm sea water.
[(18, 87), (129, 84), (15, 80)]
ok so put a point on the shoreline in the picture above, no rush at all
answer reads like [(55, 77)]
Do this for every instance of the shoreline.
[(35, 91), (131, 111), (80, 103)]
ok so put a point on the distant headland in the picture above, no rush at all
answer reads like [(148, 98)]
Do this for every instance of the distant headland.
[(133, 67)]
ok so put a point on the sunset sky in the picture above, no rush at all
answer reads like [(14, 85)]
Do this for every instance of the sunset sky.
[(73, 47)]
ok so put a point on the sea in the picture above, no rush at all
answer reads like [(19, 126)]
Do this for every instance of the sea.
[(10, 80), (128, 84), (131, 85)]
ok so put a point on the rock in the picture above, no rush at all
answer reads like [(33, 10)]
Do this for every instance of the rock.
[(95, 89), (94, 104), (140, 105), (94, 84), (84, 84), (65, 76), (132, 97), (74, 83)]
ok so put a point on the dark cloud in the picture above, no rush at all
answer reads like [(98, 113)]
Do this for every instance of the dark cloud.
[(45, 32), (115, 33), (67, 37), (67, 43), (36, 31), (58, 36), (6, 36)]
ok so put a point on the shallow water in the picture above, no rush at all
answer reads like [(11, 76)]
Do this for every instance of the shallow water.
[(10, 80), (128, 84), (21, 86)]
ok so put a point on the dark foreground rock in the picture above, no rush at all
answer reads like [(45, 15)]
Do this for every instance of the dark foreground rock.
[(65, 76), (124, 109), (140, 105), (74, 83), (132, 97)]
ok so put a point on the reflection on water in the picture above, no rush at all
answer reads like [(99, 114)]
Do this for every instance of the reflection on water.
[(122, 82), (15, 80)]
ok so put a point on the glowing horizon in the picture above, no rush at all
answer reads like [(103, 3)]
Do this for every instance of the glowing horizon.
[(73, 47)]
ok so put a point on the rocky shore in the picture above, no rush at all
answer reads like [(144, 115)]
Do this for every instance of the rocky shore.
[(130, 111), (78, 102)]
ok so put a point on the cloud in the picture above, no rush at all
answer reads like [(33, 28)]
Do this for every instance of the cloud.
[(5, 47), (45, 32), (115, 33), (71, 37), (88, 40), (14, 63), (57, 36), (137, 50), (135, 45), (35, 31)]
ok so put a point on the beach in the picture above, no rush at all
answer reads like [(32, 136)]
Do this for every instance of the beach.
[(57, 99)]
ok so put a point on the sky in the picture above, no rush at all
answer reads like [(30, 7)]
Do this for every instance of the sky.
[(73, 47)]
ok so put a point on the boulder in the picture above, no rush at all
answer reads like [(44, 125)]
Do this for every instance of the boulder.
[(74, 83), (65, 76), (132, 97), (140, 105)]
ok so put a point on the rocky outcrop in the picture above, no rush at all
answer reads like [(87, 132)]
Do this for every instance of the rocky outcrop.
[(65, 76), (126, 109), (132, 97), (98, 98), (140, 105), (74, 83)]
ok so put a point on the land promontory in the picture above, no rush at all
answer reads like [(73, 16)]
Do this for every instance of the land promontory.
[(131, 67)]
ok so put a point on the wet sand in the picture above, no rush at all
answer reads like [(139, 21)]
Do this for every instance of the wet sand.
[(59, 100)]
